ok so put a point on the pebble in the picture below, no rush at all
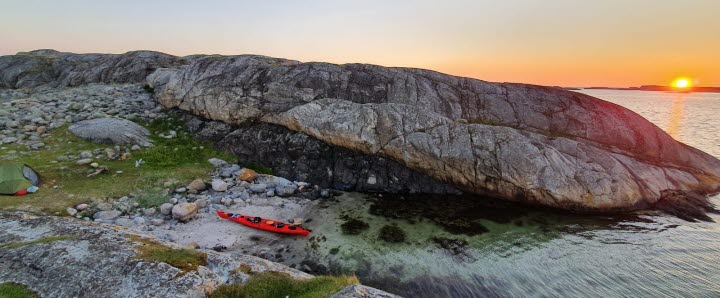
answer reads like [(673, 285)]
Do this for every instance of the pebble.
[(86, 154), (166, 208), (219, 185), (107, 215), (201, 203), (258, 188), (184, 211), (104, 206), (157, 221), (149, 212), (124, 222), (216, 162), (84, 161), (197, 184), (71, 211), (81, 207)]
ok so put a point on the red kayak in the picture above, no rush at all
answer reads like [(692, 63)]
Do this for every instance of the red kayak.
[(264, 224)]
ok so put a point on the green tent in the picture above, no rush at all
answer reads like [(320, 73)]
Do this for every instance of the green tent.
[(15, 177)]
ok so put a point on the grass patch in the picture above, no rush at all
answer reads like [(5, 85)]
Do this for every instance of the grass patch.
[(182, 149), (15, 290), (274, 284), (38, 241), (182, 158), (185, 259), (259, 168)]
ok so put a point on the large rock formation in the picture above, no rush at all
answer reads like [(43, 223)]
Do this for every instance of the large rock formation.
[(518, 142)]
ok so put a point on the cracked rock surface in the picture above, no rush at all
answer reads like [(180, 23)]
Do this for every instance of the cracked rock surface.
[(518, 142)]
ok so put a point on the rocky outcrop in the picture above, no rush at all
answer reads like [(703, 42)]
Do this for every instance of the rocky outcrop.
[(51, 68), (518, 142)]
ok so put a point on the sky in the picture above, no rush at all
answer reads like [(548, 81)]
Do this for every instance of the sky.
[(548, 42)]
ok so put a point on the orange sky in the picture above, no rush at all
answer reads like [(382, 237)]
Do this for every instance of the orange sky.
[(548, 42)]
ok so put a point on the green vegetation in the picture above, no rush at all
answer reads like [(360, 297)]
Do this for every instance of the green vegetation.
[(354, 226), (41, 240), (259, 168), (183, 149), (149, 89), (182, 159), (14, 290), (274, 284), (392, 234), (185, 259)]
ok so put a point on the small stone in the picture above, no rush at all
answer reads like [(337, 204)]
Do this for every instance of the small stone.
[(94, 165), (139, 220), (196, 184), (107, 215), (150, 212), (258, 188), (9, 140), (180, 190), (41, 129), (325, 193), (286, 190), (135, 148), (157, 221), (86, 154), (104, 206), (166, 208), (84, 161), (201, 203), (71, 211), (184, 211), (124, 222), (247, 175), (219, 185), (81, 207), (216, 162)]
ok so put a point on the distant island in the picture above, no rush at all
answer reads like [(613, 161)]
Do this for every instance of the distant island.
[(659, 88)]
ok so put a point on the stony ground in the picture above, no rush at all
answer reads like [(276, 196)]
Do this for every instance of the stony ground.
[(109, 190), (25, 118)]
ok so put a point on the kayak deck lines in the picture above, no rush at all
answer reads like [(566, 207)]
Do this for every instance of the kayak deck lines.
[(264, 224)]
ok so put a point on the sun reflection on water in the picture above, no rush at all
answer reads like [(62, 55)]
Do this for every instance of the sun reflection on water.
[(676, 116)]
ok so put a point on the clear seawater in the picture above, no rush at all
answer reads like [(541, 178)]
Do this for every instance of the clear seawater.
[(528, 252)]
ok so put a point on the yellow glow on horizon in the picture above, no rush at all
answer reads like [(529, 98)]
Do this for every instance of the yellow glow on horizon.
[(682, 83)]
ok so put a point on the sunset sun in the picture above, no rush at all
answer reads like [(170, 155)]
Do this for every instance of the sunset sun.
[(682, 83)]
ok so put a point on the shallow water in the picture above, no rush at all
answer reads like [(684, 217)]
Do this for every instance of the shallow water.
[(529, 252)]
